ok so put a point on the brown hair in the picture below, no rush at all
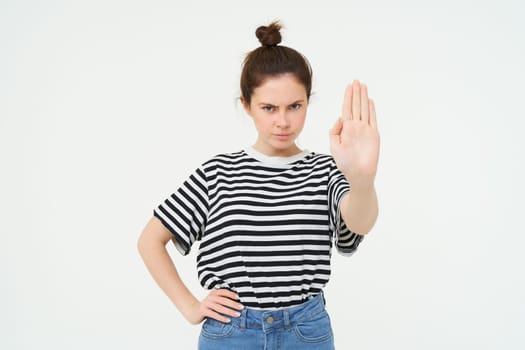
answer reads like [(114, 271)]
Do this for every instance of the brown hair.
[(271, 60)]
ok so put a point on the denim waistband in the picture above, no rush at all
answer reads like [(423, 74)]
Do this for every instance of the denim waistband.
[(280, 318)]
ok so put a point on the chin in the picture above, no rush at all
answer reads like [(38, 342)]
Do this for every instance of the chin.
[(282, 147)]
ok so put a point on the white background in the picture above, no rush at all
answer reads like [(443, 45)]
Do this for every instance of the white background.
[(106, 107)]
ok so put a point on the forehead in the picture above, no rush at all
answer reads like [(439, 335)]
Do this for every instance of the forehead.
[(279, 90)]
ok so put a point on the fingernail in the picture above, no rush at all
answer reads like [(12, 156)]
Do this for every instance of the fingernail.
[(237, 314), (228, 320)]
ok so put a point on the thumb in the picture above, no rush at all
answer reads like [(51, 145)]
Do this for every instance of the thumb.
[(335, 131)]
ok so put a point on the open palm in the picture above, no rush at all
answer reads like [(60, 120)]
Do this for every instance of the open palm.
[(354, 139)]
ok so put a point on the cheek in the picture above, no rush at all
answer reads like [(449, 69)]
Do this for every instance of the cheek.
[(300, 118), (261, 122)]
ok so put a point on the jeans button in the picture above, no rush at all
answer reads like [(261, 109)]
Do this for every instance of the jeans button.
[(269, 320)]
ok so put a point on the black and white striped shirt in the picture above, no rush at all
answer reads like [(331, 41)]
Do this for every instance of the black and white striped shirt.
[(266, 225)]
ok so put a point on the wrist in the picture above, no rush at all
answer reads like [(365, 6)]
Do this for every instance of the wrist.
[(189, 307), (193, 313)]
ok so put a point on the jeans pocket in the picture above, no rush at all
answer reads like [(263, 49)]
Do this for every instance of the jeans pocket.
[(316, 329), (215, 330)]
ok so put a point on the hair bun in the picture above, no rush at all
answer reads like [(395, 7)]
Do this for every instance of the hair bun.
[(269, 35)]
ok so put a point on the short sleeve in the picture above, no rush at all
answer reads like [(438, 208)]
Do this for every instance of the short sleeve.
[(346, 241), (184, 212)]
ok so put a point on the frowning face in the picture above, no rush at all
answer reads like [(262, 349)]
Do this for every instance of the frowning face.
[(278, 109)]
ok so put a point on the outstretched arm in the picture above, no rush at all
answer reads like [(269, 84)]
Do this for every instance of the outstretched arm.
[(354, 142)]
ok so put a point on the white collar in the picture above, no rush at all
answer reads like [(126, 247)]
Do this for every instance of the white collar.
[(275, 160)]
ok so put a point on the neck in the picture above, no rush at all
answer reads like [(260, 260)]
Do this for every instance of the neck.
[(276, 152)]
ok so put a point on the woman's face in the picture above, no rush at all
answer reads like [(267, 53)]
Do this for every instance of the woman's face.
[(278, 109)]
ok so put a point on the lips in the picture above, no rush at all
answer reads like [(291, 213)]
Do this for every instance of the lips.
[(282, 137)]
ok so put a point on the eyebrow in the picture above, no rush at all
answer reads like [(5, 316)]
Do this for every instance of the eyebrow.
[(270, 104)]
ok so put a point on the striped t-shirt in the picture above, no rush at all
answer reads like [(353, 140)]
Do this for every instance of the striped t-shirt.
[(266, 225)]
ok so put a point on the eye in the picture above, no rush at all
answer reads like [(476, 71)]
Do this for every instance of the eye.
[(268, 108), (295, 106)]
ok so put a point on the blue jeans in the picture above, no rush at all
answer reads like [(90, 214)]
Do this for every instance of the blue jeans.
[(306, 326)]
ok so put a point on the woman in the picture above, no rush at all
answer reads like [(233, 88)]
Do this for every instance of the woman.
[(267, 216)]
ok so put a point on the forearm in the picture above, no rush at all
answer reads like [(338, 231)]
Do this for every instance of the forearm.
[(359, 208), (163, 271)]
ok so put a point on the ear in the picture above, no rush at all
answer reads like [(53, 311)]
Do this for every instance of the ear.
[(246, 106)]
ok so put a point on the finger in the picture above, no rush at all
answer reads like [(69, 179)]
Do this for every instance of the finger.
[(216, 316), (227, 293), (364, 103), (335, 133), (228, 298), (336, 128), (230, 303), (224, 310), (347, 103), (356, 100), (372, 107)]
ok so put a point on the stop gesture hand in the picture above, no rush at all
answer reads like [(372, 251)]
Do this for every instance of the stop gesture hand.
[(354, 139)]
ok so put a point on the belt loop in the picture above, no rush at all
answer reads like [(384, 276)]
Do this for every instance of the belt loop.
[(286, 317), (323, 298), (243, 318)]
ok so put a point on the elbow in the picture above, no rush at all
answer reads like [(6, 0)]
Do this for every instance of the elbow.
[(141, 244), (363, 228), (359, 214), (362, 232)]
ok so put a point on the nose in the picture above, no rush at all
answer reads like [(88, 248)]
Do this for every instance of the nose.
[(283, 120)]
